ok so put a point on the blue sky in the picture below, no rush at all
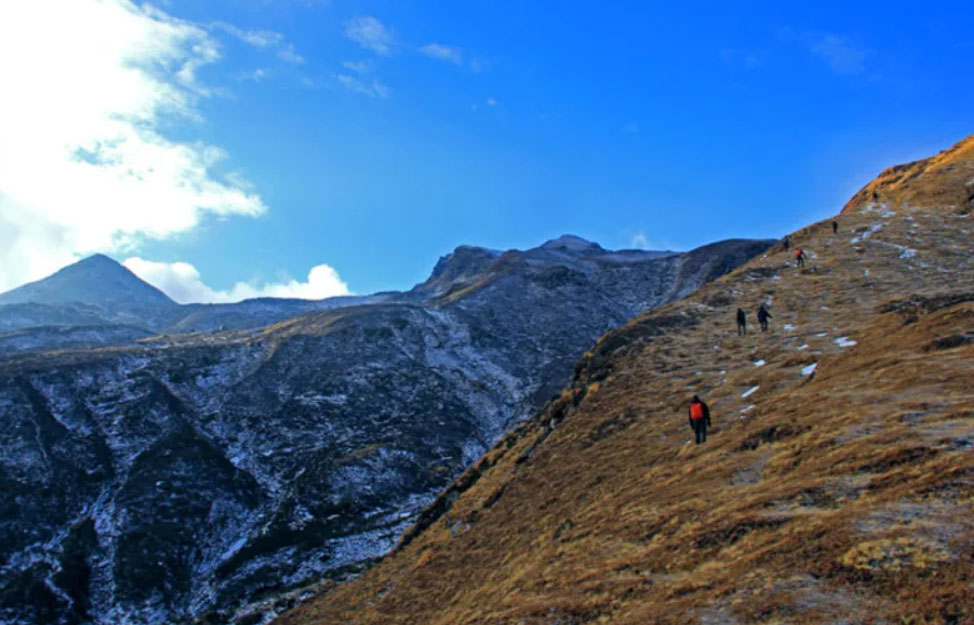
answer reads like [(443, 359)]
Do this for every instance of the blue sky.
[(373, 137)]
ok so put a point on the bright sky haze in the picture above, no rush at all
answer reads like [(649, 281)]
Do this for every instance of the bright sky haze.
[(306, 148)]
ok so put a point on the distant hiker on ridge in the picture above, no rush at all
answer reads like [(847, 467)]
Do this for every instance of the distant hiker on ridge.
[(800, 257), (786, 243), (741, 322), (835, 227), (763, 316), (699, 419)]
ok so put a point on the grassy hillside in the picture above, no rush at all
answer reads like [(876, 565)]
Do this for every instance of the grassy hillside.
[(839, 493)]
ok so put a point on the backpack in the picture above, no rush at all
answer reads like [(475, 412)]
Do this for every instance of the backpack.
[(696, 410)]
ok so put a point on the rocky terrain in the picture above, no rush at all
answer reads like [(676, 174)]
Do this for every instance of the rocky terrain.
[(182, 473), (837, 485)]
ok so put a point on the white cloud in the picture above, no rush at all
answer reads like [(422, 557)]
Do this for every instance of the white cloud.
[(371, 34), (443, 52), (256, 38), (640, 241), (359, 67), (84, 164), (256, 75), (288, 53), (370, 87), (267, 39), (841, 55), (364, 82), (491, 102), (182, 282)]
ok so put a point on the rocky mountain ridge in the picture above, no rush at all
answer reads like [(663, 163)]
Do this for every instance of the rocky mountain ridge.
[(837, 485), (68, 308), (186, 475)]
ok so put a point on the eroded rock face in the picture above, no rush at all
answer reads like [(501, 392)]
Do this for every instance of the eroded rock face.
[(183, 478)]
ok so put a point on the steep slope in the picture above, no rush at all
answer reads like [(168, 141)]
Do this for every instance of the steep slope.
[(945, 179), (837, 484), (182, 477)]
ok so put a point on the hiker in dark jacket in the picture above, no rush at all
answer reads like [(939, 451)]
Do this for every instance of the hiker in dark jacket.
[(786, 243), (699, 419), (741, 322), (835, 227), (763, 316)]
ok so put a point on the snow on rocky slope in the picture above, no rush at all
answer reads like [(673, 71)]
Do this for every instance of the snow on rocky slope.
[(187, 475)]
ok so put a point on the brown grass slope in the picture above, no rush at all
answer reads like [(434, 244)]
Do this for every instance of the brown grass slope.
[(930, 182), (842, 497)]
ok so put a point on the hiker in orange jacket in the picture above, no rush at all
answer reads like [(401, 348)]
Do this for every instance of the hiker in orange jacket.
[(699, 419), (800, 257)]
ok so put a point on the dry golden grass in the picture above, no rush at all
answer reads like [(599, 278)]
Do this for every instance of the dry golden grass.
[(847, 496), (931, 182)]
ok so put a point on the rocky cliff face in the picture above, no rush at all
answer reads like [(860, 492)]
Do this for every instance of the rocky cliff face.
[(188, 475), (837, 484)]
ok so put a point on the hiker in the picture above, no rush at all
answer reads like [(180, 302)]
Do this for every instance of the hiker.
[(800, 257), (786, 243), (835, 227), (741, 322), (699, 419), (763, 316)]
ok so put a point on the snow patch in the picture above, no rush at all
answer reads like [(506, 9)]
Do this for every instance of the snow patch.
[(749, 391), (789, 327), (803, 346), (883, 210), (908, 253), (759, 363), (873, 229), (845, 341), (810, 369)]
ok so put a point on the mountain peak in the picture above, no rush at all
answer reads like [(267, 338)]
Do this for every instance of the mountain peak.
[(462, 264), (96, 259), (572, 243), (96, 279)]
